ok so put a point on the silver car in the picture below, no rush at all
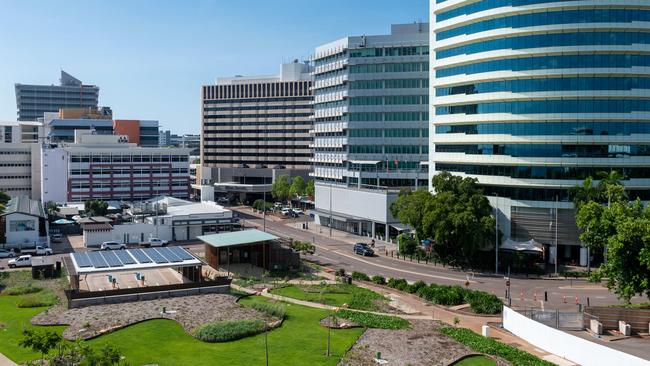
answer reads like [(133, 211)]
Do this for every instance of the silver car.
[(112, 245), (7, 253)]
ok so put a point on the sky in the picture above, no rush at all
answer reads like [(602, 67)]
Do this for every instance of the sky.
[(150, 57)]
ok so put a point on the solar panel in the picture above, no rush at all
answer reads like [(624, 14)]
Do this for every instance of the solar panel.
[(181, 253), (139, 255), (82, 260), (97, 260), (112, 259), (169, 255), (124, 257), (153, 254)]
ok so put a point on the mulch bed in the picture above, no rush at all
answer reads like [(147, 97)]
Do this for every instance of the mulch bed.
[(189, 311)]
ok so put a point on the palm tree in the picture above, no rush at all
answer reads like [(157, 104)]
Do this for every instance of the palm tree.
[(610, 185), (584, 193)]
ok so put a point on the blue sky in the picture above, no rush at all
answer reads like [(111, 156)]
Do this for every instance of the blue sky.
[(150, 57)]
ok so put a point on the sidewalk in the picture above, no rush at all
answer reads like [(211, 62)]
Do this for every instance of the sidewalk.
[(4, 361)]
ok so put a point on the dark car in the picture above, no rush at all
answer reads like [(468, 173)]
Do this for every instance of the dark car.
[(363, 249)]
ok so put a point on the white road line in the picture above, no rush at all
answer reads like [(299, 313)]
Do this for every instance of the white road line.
[(462, 280)]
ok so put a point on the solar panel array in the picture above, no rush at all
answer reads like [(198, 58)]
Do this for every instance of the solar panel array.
[(120, 258)]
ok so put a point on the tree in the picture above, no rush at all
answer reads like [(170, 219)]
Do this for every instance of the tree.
[(280, 188), (297, 187), (310, 189), (51, 208), (95, 208), (409, 206), (38, 341), (584, 193), (611, 187), (406, 244)]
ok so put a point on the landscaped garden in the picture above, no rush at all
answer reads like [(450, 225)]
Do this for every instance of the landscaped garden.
[(339, 294)]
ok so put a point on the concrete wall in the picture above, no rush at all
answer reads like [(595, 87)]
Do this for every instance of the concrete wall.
[(79, 303), (54, 170), (21, 237), (127, 234), (367, 204), (609, 317), (565, 345)]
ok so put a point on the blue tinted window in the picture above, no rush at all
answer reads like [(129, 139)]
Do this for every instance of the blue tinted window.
[(582, 128), (548, 150), (550, 106), (489, 4), (550, 172)]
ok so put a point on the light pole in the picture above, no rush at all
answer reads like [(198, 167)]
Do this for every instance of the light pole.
[(266, 346), (496, 236), (556, 248), (330, 221), (264, 209)]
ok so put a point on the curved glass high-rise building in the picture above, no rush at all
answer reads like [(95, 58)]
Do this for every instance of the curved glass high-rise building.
[(533, 96)]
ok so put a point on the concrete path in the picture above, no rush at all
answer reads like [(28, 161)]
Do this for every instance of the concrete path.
[(4, 361)]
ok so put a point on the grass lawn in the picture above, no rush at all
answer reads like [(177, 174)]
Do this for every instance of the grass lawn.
[(334, 295), (476, 361)]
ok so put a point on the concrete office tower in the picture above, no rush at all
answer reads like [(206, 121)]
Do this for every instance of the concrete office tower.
[(34, 100), (254, 129), (371, 118), (108, 167), (20, 168), (531, 97)]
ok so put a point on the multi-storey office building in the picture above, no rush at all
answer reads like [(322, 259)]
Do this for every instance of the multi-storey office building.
[(142, 133), (107, 167), (20, 168), (533, 96), (371, 97), (255, 129), (34, 100)]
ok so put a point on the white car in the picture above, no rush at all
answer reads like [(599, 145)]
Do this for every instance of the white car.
[(7, 253), (155, 242), (112, 245), (22, 261), (38, 250), (298, 211)]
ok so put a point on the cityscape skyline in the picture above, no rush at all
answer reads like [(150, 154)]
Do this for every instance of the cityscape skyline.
[(153, 66)]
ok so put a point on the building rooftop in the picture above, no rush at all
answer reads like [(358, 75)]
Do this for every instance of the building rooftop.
[(195, 209), (133, 259), (24, 205), (237, 238)]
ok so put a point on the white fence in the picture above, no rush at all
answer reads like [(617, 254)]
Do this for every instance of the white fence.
[(570, 347)]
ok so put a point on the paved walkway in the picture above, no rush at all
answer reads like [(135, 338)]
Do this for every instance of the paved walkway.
[(4, 361)]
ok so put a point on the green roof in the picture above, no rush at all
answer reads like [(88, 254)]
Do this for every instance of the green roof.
[(236, 238)]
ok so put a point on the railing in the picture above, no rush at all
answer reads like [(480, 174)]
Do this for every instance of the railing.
[(556, 319)]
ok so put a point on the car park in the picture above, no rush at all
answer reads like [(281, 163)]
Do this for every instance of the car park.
[(22, 261), (112, 245), (363, 249), (7, 253)]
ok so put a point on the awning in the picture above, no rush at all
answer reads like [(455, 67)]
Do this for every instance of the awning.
[(522, 246), (401, 227), (365, 162), (236, 238), (63, 222)]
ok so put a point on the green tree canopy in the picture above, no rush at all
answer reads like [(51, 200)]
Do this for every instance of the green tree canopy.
[(310, 189), (95, 208), (280, 188), (297, 187)]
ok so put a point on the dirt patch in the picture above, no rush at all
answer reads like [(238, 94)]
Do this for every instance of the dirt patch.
[(422, 344), (189, 311)]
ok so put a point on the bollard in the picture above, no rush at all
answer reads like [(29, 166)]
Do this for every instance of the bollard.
[(521, 295), (545, 296), (564, 299), (587, 300), (535, 296)]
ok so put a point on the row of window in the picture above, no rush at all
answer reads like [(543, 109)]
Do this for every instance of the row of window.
[(257, 108), (489, 4), (390, 100), (257, 100), (550, 62), (257, 131), (388, 149), (559, 16), (549, 128), (135, 170), (15, 177), (390, 84), (257, 115), (549, 40), (551, 106), (269, 163), (107, 158), (262, 153), (549, 150), (264, 138), (386, 165), (83, 184), (390, 51), (131, 196), (10, 164), (548, 84), (541, 172), (15, 152), (547, 194), (258, 123), (392, 67), (390, 132), (388, 116)]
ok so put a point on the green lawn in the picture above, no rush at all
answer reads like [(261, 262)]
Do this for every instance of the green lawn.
[(476, 361), (299, 341), (334, 295)]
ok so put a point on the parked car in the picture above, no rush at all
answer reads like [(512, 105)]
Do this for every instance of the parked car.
[(112, 245), (56, 238), (363, 249), (38, 250), (154, 242), (22, 261), (223, 200), (286, 211), (7, 253), (298, 211)]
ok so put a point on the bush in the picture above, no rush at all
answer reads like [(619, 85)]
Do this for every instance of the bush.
[(483, 302), (374, 320), (414, 288), (363, 299), (359, 276), (274, 309), (380, 280), (448, 295), (491, 347), (340, 272), (229, 330), (21, 290), (37, 300), (397, 283)]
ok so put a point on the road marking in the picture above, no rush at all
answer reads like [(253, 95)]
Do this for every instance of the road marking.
[(402, 270)]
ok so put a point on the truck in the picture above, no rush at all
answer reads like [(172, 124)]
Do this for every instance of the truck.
[(38, 250), (154, 242), (22, 261)]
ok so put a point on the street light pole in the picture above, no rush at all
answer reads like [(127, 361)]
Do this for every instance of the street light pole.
[(264, 209), (496, 236), (556, 248), (330, 221)]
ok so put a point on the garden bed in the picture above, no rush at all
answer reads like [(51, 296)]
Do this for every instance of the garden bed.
[(350, 296)]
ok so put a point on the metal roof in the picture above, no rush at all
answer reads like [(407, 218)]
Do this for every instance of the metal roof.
[(132, 259), (24, 205), (236, 238)]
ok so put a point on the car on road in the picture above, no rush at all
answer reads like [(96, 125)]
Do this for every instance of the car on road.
[(363, 249), (112, 245), (7, 253), (154, 242), (38, 250), (22, 261)]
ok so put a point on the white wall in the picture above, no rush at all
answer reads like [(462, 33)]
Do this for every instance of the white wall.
[(55, 175), (127, 233), (368, 204), (565, 345), (21, 237)]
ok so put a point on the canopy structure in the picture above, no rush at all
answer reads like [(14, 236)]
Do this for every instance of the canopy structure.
[(530, 246), (63, 222), (132, 259), (236, 238)]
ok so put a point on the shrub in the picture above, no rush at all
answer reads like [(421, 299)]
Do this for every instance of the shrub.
[(397, 283), (483, 302), (229, 330), (491, 347), (36, 300), (363, 299), (448, 295), (380, 280), (374, 320), (274, 309), (414, 288), (21, 290), (359, 276), (340, 272)]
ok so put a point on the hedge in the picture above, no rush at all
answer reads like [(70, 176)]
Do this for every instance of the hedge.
[(229, 330), (380, 280), (21, 290), (360, 276), (373, 320), (277, 310), (489, 346)]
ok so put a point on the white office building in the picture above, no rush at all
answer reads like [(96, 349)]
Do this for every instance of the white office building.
[(20, 158)]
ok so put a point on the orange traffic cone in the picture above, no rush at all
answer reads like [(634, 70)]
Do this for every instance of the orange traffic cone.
[(564, 299), (577, 300)]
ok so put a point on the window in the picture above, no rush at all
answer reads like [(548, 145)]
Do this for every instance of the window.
[(22, 225)]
